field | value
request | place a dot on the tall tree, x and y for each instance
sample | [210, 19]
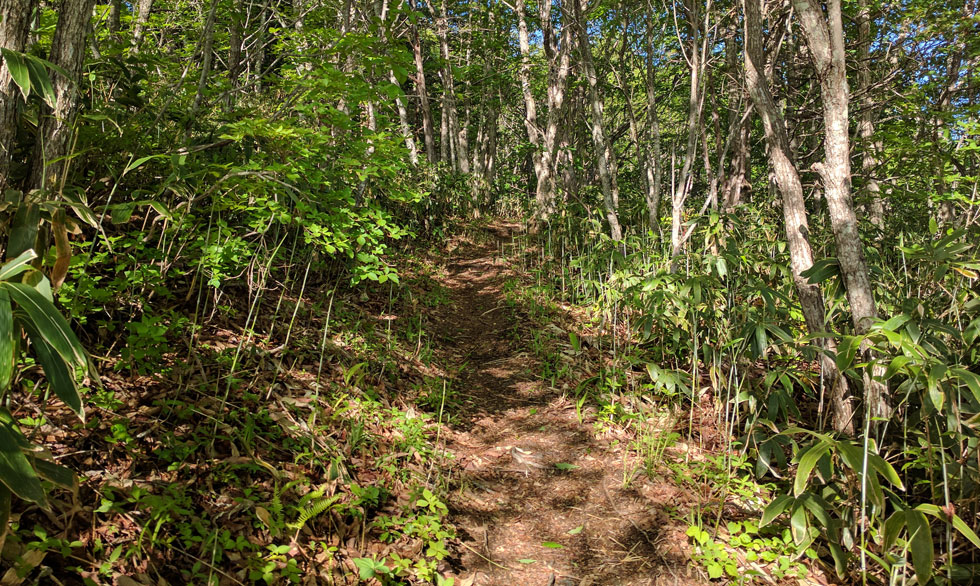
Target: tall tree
[57, 124]
[605, 155]
[787, 179]
[14, 29]
[824, 34]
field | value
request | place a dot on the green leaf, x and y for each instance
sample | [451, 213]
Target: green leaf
[4, 512]
[17, 265]
[971, 380]
[527, 561]
[15, 471]
[775, 508]
[798, 523]
[886, 470]
[17, 66]
[23, 228]
[56, 473]
[920, 543]
[847, 351]
[58, 373]
[136, 164]
[8, 342]
[49, 322]
[807, 462]
[576, 531]
[958, 523]
[552, 545]
[41, 81]
[565, 467]
[893, 527]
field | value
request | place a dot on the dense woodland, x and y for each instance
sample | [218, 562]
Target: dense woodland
[741, 239]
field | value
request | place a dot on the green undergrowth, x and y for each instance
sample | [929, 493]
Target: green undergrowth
[703, 363]
[297, 439]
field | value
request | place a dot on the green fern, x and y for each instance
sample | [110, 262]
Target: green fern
[313, 510]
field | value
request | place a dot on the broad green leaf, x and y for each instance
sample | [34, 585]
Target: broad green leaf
[971, 380]
[896, 322]
[8, 341]
[4, 512]
[807, 462]
[17, 66]
[920, 544]
[15, 471]
[23, 228]
[41, 81]
[775, 508]
[551, 545]
[893, 527]
[56, 473]
[18, 265]
[958, 523]
[798, 523]
[136, 164]
[847, 351]
[49, 322]
[58, 373]
[886, 470]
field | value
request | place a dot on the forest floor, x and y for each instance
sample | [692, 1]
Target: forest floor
[453, 430]
[543, 495]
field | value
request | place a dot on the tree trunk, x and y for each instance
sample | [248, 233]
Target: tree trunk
[825, 38]
[682, 186]
[524, 74]
[57, 125]
[424, 106]
[654, 168]
[115, 16]
[143, 9]
[869, 159]
[604, 151]
[559, 65]
[455, 152]
[787, 179]
[14, 29]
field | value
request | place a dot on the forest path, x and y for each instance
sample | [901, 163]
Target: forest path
[538, 497]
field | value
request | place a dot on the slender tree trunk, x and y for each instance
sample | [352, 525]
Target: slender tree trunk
[207, 57]
[604, 151]
[14, 29]
[787, 179]
[456, 154]
[825, 38]
[682, 187]
[235, 40]
[654, 153]
[424, 106]
[143, 9]
[559, 65]
[115, 16]
[57, 125]
[869, 158]
[524, 74]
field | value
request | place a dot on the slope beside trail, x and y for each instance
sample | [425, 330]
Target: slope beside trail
[538, 496]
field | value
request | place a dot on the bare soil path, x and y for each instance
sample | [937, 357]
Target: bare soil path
[539, 496]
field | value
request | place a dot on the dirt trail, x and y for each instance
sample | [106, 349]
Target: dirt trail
[520, 518]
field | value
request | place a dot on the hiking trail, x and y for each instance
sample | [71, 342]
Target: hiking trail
[539, 497]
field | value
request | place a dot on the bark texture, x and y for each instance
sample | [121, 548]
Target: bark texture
[14, 29]
[57, 125]
[787, 179]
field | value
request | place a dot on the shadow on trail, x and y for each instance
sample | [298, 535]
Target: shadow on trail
[538, 498]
